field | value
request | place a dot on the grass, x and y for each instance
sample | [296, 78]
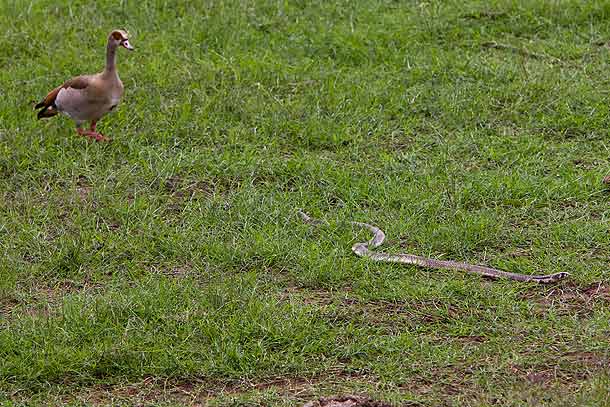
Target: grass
[169, 266]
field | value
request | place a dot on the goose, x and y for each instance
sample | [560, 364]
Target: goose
[89, 97]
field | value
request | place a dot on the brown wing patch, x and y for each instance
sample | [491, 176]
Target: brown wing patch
[80, 82]
[49, 99]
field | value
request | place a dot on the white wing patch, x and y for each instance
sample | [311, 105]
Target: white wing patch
[77, 104]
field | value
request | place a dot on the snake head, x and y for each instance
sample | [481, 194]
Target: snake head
[553, 278]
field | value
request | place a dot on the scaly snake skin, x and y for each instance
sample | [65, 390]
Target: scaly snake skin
[363, 250]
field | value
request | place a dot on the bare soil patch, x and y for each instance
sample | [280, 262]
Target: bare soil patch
[346, 401]
[571, 299]
[152, 391]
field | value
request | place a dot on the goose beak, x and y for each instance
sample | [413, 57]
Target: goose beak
[127, 45]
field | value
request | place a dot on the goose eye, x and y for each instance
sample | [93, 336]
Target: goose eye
[126, 44]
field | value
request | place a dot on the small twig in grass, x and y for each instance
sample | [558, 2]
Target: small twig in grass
[602, 43]
[517, 50]
[492, 15]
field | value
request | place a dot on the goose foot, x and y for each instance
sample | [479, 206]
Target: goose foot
[91, 133]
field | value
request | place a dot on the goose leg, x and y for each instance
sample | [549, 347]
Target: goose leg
[91, 133]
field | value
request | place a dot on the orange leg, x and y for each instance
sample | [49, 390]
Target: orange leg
[91, 133]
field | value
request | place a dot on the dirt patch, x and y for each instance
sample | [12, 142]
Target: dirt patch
[153, 391]
[46, 300]
[83, 188]
[595, 292]
[571, 299]
[7, 305]
[518, 51]
[398, 315]
[341, 305]
[346, 401]
[145, 392]
[441, 385]
[520, 252]
[566, 370]
[178, 271]
[474, 339]
[181, 189]
[598, 290]
[535, 376]
[587, 359]
[172, 184]
[206, 188]
[316, 297]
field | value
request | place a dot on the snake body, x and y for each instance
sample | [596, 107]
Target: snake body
[363, 249]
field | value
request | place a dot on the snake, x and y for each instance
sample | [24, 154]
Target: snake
[363, 249]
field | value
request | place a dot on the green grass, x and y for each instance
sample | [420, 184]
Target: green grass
[169, 266]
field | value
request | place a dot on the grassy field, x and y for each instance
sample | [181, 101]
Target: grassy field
[169, 267]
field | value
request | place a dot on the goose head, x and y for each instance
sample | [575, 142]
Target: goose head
[119, 38]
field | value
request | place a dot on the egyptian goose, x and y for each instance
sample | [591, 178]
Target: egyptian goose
[89, 97]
